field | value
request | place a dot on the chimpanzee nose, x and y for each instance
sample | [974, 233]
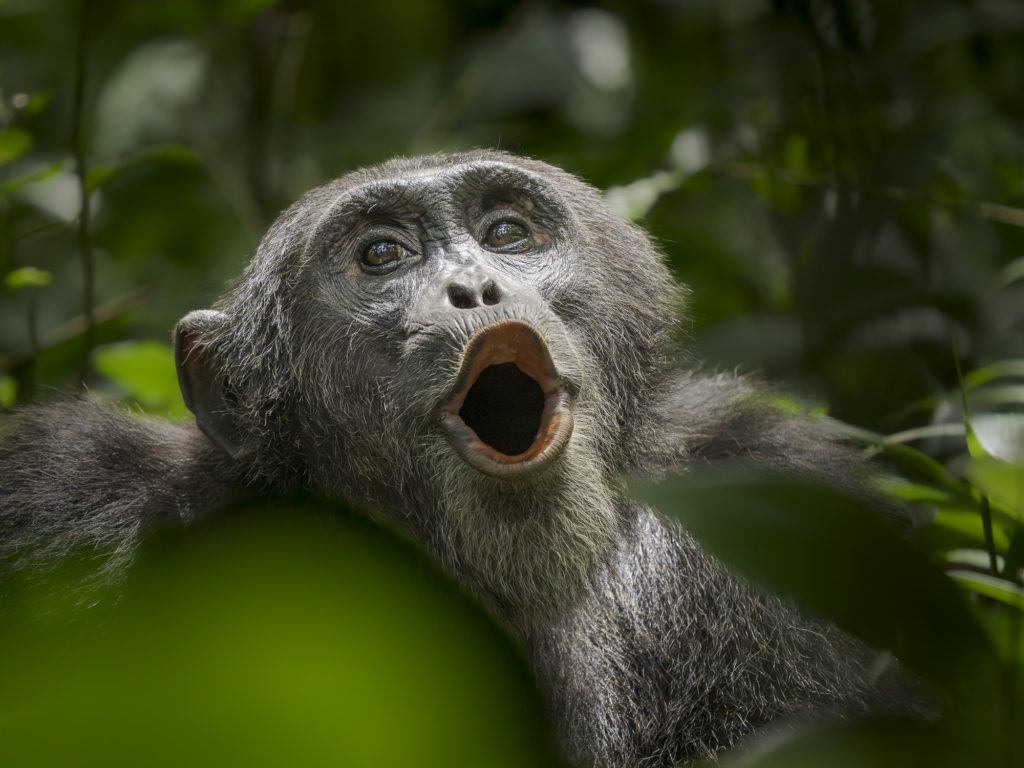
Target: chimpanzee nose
[473, 288]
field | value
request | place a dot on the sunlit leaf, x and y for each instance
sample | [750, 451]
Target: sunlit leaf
[993, 371]
[14, 142]
[1001, 435]
[923, 494]
[990, 586]
[975, 449]
[927, 466]
[974, 558]
[146, 371]
[48, 171]
[966, 524]
[634, 200]
[925, 432]
[8, 390]
[1000, 479]
[28, 277]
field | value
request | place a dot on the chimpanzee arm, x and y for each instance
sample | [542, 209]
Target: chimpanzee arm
[78, 476]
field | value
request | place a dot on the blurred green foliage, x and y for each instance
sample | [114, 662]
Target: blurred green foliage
[835, 556]
[840, 183]
[269, 636]
[145, 371]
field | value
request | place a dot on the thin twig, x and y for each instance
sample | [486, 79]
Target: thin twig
[231, 183]
[77, 326]
[36, 231]
[923, 433]
[78, 147]
[282, 96]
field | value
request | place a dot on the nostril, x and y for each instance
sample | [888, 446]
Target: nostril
[460, 297]
[491, 294]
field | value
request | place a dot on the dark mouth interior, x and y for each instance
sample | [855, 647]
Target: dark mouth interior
[504, 407]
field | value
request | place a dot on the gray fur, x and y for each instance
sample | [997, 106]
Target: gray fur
[75, 475]
[312, 373]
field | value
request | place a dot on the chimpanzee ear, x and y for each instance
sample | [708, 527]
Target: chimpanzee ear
[203, 383]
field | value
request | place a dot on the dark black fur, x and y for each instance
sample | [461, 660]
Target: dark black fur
[318, 372]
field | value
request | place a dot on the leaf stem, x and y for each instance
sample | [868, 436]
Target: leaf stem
[990, 541]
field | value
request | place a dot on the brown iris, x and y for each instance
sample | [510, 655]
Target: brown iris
[383, 252]
[506, 234]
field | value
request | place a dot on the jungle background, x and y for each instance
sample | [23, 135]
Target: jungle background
[839, 182]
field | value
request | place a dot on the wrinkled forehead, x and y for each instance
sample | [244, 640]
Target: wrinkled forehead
[480, 183]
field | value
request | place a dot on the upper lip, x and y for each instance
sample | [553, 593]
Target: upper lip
[519, 343]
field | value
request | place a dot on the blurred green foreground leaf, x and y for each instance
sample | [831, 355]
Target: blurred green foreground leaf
[836, 557]
[269, 636]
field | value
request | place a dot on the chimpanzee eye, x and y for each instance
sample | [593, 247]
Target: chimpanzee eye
[383, 252]
[507, 234]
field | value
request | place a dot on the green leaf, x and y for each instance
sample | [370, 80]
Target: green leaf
[216, 627]
[1001, 435]
[973, 557]
[967, 524]
[1004, 626]
[8, 391]
[28, 277]
[974, 446]
[930, 430]
[994, 371]
[990, 586]
[1001, 480]
[146, 371]
[14, 142]
[834, 555]
[923, 494]
[785, 197]
[13, 185]
[780, 401]
[37, 102]
[927, 466]
[795, 156]
[1005, 394]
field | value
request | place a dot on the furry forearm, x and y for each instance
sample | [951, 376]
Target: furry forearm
[76, 475]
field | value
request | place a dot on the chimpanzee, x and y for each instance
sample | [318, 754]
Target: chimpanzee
[474, 349]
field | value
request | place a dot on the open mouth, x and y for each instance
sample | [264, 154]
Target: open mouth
[510, 415]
